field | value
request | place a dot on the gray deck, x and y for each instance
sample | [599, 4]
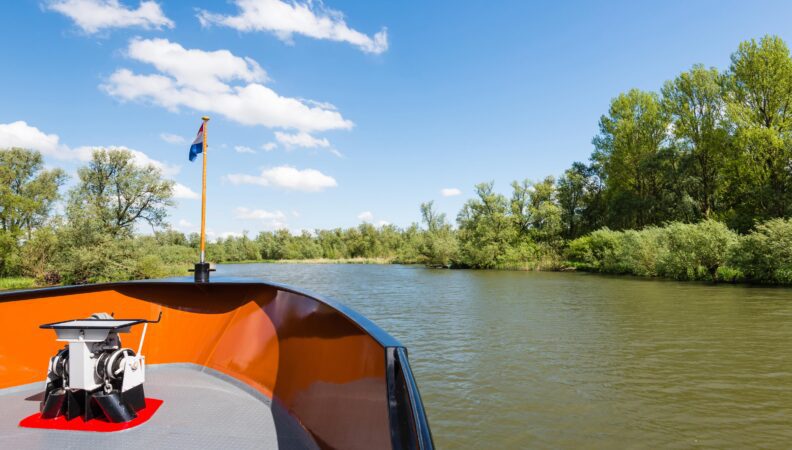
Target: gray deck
[201, 409]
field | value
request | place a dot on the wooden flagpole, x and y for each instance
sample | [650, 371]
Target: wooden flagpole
[203, 193]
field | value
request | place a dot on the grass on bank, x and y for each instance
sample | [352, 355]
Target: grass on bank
[17, 283]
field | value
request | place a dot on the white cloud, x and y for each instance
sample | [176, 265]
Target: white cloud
[185, 224]
[202, 70]
[228, 234]
[258, 214]
[172, 138]
[269, 146]
[202, 80]
[305, 140]
[243, 149]
[366, 216]
[306, 180]
[301, 139]
[95, 15]
[284, 19]
[272, 219]
[450, 192]
[182, 191]
[85, 153]
[20, 134]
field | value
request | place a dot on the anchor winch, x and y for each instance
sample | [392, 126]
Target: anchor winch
[94, 376]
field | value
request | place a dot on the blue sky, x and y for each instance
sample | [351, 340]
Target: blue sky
[380, 105]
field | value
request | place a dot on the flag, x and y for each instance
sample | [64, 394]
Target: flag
[197, 145]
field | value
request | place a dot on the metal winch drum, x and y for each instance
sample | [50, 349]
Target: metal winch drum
[93, 376]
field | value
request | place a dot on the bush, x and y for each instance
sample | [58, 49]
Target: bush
[765, 255]
[620, 252]
[9, 255]
[580, 254]
[680, 251]
[641, 250]
[150, 266]
[36, 254]
[439, 249]
[695, 251]
[107, 260]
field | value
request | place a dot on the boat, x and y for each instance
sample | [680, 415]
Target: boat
[229, 363]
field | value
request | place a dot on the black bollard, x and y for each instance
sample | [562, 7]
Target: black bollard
[202, 272]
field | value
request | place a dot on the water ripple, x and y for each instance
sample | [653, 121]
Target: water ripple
[549, 360]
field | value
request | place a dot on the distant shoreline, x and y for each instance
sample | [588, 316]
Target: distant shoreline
[16, 283]
[379, 261]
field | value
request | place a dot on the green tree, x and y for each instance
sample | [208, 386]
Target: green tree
[486, 229]
[579, 197]
[332, 243]
[694, 101]
[27, 191]
[631, 137]
[439, 247]
[544, 212]
[760, 105]
[114, 194]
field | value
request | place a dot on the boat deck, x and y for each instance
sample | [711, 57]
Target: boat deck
[202, 409]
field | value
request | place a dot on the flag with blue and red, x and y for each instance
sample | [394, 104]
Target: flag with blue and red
[197, 145]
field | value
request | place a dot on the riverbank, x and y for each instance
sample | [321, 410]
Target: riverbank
[705, 251]
[12, 283]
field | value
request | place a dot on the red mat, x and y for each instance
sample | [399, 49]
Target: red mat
[99, 425]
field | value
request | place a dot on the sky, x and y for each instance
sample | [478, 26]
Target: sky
[329, 114]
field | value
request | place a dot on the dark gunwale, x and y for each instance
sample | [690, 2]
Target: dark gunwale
[366, 325]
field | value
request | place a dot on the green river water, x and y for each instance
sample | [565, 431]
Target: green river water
[571, 360]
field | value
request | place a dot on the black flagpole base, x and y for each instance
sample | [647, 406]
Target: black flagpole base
[202, 272]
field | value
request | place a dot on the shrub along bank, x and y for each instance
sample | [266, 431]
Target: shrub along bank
[706, 250]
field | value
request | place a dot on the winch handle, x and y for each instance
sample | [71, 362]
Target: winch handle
[145, 328]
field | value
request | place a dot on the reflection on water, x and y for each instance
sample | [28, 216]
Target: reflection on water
[513, 359]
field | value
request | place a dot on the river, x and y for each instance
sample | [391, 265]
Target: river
[571, 360]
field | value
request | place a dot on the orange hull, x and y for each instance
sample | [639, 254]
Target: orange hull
[345, 381]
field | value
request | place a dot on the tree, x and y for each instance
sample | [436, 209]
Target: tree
[486, 229]
[579, 197]
[27, 191]
[544, 212]
[114, 194]
[332, 243]
[439, 245]
[759, 102]
[694, 101]
[626, 148]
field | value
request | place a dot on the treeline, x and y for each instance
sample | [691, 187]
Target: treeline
[693, 182]
[93, 238]
[709, 145]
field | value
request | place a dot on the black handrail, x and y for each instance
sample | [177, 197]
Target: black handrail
[408, 422]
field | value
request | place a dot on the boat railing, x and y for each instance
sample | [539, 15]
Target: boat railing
[409, 425]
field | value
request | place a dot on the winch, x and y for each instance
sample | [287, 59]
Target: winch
[94, 376]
